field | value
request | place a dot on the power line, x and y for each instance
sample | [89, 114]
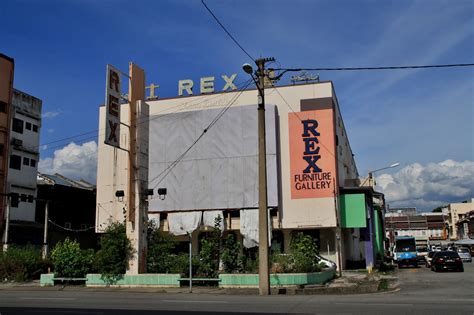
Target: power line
[178, 107]
[225, 30]
[167, 170]
[299, 118]
[69, 229]
[378, 68]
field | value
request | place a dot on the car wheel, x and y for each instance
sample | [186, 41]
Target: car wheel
[461, 269]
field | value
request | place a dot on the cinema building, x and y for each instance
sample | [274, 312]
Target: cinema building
[311, 171]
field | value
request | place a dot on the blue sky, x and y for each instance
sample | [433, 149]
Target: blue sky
[415, 117]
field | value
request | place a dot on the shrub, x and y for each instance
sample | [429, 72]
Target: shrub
[114, 254]
[69, 260]
[305, 253]
[249, 263]
[21, 264]
[281, 263]
[231, 254]
[210, 251]
[180, 264]
[160, 247]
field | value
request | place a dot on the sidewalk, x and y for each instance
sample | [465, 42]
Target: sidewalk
[349, 283]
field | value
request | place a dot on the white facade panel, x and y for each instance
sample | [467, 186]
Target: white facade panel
[221, 169]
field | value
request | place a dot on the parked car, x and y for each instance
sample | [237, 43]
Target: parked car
[446, 260]
[465, 254]
[421, 253]
[428, 259]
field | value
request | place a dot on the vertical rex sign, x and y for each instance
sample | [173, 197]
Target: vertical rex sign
[112, 105]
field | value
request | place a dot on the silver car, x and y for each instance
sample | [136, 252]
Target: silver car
[464, 253]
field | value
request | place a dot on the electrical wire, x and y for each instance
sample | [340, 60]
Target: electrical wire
[170, 167]
[299, 118]
[378, 68]
[177, 108]
[225, 30]
[69, 229]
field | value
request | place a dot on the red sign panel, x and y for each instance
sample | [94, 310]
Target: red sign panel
[312, 154]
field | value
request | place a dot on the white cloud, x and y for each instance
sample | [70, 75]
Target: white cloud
[428, 186]
[50, 114]
[74, 161]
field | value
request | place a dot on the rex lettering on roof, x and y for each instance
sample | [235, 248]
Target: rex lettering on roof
[312, 154]
[112, 107]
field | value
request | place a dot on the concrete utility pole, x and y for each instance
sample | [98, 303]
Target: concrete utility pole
[263, 272]
[45, 234]
[7, 224]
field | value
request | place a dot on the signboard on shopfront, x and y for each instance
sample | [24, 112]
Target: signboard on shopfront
[112, 106]
[312, 153]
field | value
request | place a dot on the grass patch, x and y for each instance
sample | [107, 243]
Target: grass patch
[383, 285]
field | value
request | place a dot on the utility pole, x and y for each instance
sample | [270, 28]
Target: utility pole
[7, 223]
[263, 272]
[45, 235]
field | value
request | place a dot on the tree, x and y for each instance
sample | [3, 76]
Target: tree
[438, 209]
[114, 254]
[210, 251]
[160, 247]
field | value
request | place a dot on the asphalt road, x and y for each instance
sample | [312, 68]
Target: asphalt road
[421, 292]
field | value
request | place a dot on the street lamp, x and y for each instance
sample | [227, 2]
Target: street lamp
[370, 178]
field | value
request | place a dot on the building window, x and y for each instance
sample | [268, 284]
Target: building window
[27, 126]
[15, 162]
[30, 198]
[35, 128]
[17, 125]
[67, 225]
[2, 148]
[26, 161]
[33, 162]
[3, 107]
[23, 198]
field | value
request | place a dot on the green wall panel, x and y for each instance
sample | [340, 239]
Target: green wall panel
[379, 234]
[353, 211]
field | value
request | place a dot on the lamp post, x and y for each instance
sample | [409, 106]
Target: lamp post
[371, 173]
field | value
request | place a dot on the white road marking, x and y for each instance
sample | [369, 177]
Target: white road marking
[376, 304]
[190, 301]
[46, 298]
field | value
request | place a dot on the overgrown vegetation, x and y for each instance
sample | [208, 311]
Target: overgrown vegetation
[210, 251]
[21, 264]
[160, 248]
[69, 260]
[114, 254]
[231, 260]
[305, 252]
[217, 254]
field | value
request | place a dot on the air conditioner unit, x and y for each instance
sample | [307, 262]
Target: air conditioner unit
[17, 142]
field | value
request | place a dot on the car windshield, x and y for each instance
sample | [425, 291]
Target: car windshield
[463, 250]
[422, 249]
[447, 254]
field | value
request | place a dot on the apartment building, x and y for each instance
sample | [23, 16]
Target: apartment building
[24, 154]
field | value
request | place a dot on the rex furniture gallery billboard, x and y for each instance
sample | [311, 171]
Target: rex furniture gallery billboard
[312, 153]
